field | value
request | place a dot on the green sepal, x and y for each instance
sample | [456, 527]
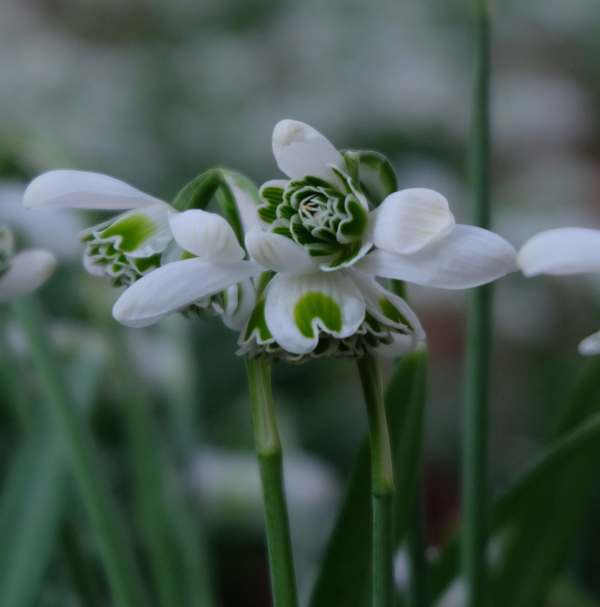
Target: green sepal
[373, 171]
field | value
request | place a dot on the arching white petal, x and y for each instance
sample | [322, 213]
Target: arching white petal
[175, 286]
[84, 190]
[401, 346]
[27, 271]
[561, 251]
[467, 257]
[301, 150]
[278, 253]
[590, 346]
[299, 307]
[206, 235]
[387, 307]
[240, 301]
[408, 220]
[246, 200]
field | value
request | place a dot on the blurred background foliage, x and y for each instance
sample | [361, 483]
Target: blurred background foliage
[154, 92]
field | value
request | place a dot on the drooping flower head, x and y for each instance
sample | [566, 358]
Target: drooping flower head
[562, 252]
[123, 248]
[323, 237]
[22, 272]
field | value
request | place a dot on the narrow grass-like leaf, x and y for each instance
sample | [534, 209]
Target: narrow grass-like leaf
[24, 553]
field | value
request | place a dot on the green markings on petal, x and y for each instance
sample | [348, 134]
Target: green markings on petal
[389, 310]
[373, 171]
[355, 225]
[316, 305]
[132, 229]
[145, 264]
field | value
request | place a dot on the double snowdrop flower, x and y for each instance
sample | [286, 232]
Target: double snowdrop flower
[22, 272]
[123, 248]
[562, 252]
[324, 236]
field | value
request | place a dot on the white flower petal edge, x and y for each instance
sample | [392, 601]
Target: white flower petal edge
[466, 257]
[278, 253]
[408, 220]
[84, 190]
[590, 346]
[247, 206]
[175, 286]
[561, 251]
[240, 302]
[299, 307]
[27, 271]
[206, 235]
[300, 150]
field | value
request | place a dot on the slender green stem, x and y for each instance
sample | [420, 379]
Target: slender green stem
[382, 483]
[474, 501]
[110, 533]
[268, 450]
[416, 543]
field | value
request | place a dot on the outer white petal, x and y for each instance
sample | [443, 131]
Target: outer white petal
[408, 220]
[467, 257]
[590, 346]
[247, 204]
[207, 235]
[561, 251]
[401, 346]
[27, 271]
[175, 286]
[286, 308]
[84, 190]
[241, 300]
[278, 253]
[373, 293]
[301, 150]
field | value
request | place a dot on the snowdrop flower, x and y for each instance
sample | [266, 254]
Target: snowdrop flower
[122, 248]
[334, 226]
[23, 272]
[561, 252]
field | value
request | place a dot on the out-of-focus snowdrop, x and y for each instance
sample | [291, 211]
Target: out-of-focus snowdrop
[53, 230]
[228, 485]
[21, 272]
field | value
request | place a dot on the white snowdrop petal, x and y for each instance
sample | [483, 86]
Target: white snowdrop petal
[278, 253]
[466, 257]
[408, 220]
[561, 251]
[84, 190]
[27, 271]
[175, 286]
[590, 346]
[300, 150]
[206, 235]
[300, 307]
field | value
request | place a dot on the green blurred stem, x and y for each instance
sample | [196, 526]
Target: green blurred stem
[475, 438]
[150, 473]
[382, 483]
[416, 544]
[110, 533]
[268, 450]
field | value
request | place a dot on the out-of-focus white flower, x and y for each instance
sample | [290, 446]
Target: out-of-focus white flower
[54, 230]
[123, 248]
[22, 272]
[561, 252]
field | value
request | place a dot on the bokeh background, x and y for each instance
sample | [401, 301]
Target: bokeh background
[154, 92]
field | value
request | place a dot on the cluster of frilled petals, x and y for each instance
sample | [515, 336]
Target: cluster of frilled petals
[300, 276]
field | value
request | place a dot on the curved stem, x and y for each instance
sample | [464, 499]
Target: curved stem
[479, 338]
[268, 450]
[382, 483]
[110, 533]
